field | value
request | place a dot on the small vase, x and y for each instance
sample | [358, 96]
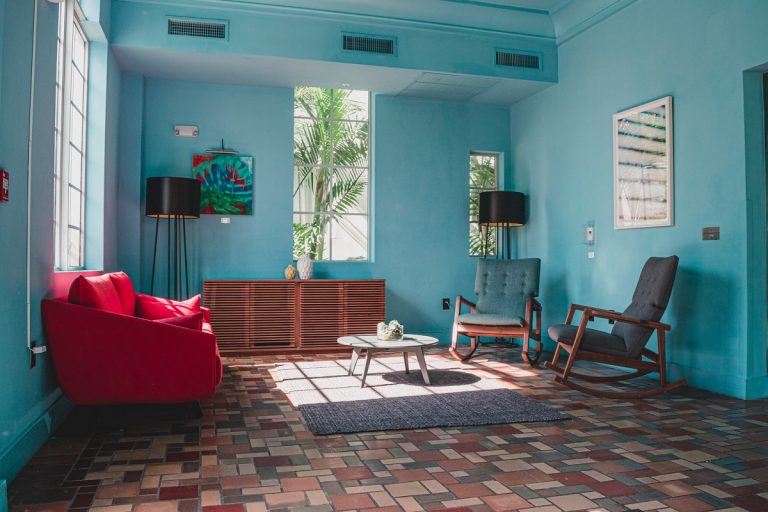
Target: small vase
[304, 264]
[290, 272]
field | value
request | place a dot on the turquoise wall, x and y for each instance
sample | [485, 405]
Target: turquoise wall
[26, 395]
[696, 51]
[31, 404]
[420, 189]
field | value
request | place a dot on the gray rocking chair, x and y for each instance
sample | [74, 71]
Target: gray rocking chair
[506, 303]
[625, 345]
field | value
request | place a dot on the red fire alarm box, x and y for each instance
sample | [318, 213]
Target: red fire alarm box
[5, 185]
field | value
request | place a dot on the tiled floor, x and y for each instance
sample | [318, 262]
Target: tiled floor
[688, 451]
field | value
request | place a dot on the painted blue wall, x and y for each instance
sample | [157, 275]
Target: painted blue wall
[696, 51]
[421, 157]
[26, 395]
[129, 184]
[31, 404]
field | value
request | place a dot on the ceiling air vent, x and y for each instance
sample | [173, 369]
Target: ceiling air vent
[517, 60]
[197, 28]
[370, 44]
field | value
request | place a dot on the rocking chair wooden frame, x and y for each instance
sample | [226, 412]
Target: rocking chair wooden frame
[656, 362]
[529, 330]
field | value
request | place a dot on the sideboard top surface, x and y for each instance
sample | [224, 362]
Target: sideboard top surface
[297, 281]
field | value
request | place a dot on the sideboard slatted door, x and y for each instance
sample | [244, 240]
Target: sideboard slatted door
[230, 305]
[272, 315]
[364, 306]
[322, 314]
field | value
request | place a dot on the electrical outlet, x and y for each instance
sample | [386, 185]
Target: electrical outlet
[591, 255]
[225, 220]
[446, 303]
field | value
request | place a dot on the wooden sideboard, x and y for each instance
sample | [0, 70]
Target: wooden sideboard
[280, 316]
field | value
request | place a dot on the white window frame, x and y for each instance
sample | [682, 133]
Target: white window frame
[497, 159]
[66, 140]
[332, 166]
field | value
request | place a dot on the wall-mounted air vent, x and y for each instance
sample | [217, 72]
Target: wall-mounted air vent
[517, 60]
[370, 44]
[197, 28]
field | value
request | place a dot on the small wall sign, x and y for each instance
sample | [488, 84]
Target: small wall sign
[5, 185]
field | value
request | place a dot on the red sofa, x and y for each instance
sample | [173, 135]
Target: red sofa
[103, 353]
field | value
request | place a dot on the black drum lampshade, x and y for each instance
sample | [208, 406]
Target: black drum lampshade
[176, 200]
[502, 209]
[171, 197]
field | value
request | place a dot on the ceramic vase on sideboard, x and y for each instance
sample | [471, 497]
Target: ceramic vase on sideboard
[304, 265]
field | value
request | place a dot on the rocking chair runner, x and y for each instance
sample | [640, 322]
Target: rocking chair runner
[625, 345]
[506, 304]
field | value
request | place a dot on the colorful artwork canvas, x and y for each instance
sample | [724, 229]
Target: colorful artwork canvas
[226, 183]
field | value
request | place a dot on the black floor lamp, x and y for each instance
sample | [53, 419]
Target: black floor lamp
[501, 209]
[174, 199]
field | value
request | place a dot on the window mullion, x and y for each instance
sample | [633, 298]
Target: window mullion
[331, 156]
[84, 135]
[66, 88]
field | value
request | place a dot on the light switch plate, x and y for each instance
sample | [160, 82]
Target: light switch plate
[225, 220]
[710, 233]
[591, 255]
[589, 234]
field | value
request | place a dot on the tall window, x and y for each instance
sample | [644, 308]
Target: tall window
[70, 135]
[483, 177]
[331, 174]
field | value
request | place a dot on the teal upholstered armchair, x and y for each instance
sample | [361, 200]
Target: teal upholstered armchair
[506, 305]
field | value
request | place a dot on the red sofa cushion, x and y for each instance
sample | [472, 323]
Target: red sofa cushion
[156, 308]
[194, 322]
[125, 292]
[96, 292]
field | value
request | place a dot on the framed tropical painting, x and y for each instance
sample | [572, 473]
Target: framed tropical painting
[226, 183]
[642, 166]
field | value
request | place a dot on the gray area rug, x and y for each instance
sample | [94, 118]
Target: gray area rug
[491, 407]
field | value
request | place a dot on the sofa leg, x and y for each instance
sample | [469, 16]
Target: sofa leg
[195, 411]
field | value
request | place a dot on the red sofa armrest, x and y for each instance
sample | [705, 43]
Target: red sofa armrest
[103, 357]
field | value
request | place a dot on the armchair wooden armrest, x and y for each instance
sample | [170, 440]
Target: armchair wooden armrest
[462, 301]
[613, 316]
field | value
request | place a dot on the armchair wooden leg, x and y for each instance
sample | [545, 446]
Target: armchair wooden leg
[473, 342]
[532, 361]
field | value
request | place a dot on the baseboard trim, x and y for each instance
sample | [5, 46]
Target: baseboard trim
[52, 412]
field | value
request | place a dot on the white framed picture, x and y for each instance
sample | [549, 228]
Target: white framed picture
[643, 195]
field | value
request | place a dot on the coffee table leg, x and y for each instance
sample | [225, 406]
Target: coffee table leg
[405, 359]
[423, 365]
[353, 362]
[368, 355]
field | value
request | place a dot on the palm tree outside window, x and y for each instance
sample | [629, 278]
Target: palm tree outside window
[331, 193]
[483, 177]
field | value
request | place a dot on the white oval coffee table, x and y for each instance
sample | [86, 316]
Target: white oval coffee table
[411, 343]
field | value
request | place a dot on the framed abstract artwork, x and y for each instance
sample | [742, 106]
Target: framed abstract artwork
[642, 166]
[226, 183]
